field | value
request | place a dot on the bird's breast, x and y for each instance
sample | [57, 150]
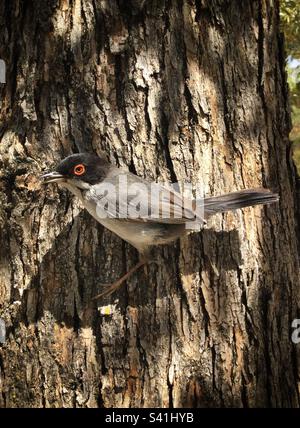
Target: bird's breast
[140, 234]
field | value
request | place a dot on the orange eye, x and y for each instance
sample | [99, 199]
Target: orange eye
[79, 169]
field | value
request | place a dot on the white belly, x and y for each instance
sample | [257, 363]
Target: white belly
[136, 233]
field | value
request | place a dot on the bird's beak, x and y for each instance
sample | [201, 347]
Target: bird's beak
[52, 177]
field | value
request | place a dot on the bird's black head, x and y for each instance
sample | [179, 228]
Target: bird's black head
[81, 167]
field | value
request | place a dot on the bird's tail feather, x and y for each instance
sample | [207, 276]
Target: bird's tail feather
[236, 200]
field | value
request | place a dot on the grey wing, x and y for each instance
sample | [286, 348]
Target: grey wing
[131, 197]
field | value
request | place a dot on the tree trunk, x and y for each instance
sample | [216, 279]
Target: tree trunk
[174, 90]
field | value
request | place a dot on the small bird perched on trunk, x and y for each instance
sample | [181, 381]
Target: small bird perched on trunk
[147, 215]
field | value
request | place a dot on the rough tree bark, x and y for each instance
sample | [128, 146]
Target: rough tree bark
[175, 90]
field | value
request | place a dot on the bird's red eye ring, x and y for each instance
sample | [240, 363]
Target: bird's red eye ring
[79, 169]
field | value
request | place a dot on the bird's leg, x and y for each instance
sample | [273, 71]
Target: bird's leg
[110, 288]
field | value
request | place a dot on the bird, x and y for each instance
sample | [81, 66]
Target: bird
[139, 218]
